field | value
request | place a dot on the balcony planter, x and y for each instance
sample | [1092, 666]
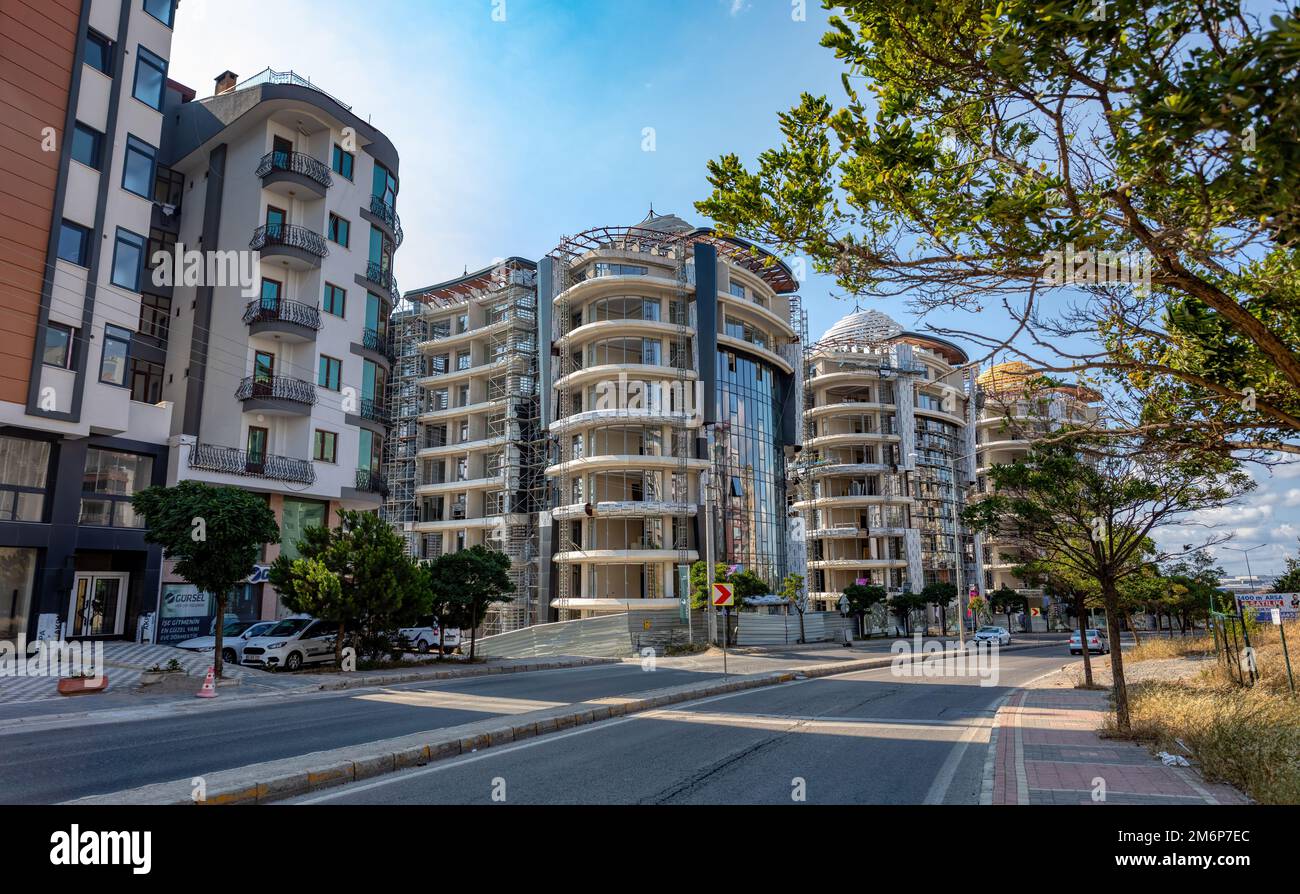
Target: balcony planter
[82, 685]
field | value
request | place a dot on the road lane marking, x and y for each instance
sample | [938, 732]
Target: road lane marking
[461, 701]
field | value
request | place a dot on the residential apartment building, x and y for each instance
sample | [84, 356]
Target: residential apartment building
[1016, 407]
[279, 378]
[465, 463]
[888, 455]
[670, 352]
[82, 118]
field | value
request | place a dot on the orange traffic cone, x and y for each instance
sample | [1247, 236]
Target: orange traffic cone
[209, 689]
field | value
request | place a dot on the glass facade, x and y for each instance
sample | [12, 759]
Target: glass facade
[298, 516]
[751, 468]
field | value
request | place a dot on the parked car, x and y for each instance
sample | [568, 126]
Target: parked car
[423, 637]
[293, 643]
[999, 635]
[235, 635]
[1097, 642]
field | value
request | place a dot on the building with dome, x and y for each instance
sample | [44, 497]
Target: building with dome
[887, 458]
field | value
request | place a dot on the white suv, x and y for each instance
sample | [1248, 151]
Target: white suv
[293, 643]
[423, 637]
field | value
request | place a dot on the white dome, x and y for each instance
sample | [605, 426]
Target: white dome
[862, 327]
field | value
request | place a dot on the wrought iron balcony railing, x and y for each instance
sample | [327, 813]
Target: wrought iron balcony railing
[375, 411]
[371, 482]
[371, 340]
[277, 387]
[376, 273]
[291, 235]
[260, 311]
[297, 163]
[388, 214]
[232, 461]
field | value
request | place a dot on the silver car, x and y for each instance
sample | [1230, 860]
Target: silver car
[234, 636]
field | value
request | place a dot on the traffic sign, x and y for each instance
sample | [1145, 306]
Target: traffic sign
[724, 595]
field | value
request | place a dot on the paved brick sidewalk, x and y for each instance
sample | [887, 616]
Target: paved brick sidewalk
[1047, 751]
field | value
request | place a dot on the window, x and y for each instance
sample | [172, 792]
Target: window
[168, 186]
[330, 374]
[137, 167]
[342, 161]
[384, 185]
[338, 230]
[325, 447]
[23, 468]
[110, 480]
[88, 146]
[155, 316]
[58, 345]
[113, 357]
[160, 240]
[162, 10]
[255, 445]
[737, 289]
[74, 243]
[128, 259]
[99, 52]
[150, 77]
[263, 366]
[335, 299]
[370, 453]
[146, 381]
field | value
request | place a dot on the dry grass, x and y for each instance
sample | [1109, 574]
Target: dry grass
[1154, 647]
[1249, 737]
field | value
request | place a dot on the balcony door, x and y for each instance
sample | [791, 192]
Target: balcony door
[271, 290]
[98, 603]
[276, 219]
[281, 149]
[263, 373]
[258, 439]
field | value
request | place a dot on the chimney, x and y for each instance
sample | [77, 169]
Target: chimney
[225, 82]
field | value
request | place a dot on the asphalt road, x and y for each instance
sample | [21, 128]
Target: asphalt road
[72, 761]
[859, 738]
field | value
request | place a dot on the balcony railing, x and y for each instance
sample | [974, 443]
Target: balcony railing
[277, 387]
[388, 214]
[232, 461]
[375, 411]
[260, 311]
[297, 163]
[376, 273]
[371, 340]
[371, 482]
[290, 235]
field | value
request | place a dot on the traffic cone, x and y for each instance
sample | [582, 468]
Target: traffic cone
[209, 689]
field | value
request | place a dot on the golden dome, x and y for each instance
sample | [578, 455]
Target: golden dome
[1006, 377]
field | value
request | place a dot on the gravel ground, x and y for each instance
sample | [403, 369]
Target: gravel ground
[1167, 669]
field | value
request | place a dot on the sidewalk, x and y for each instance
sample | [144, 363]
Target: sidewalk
[1045, 750]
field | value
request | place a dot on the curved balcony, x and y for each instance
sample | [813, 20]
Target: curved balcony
[375, 346]
[289, 320]
[623, 509]
[385, 215]
[276, 395]
[298, 247]
[383, 279]
[371, 482]
[232, 461]
[638, 553]
[373, 415]
[288, 172]
[648, 415]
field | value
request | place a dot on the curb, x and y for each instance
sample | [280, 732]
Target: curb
[299, 775]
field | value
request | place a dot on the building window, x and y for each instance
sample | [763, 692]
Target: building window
[343, 161]
[335, 299]
[160, 240]
[330, 373]
[58, 345]
[297, 517]
[150, 77]
[99, 52]
[88, 146]
[74, 243]
[23, 468]
[737, 289]
[325, 447]
[168, 186]
[162, 10]
[137, 167]
[128, 259]
[113, 358]
[339, 230]
[111, 479]
[155, 316]
[146, 381]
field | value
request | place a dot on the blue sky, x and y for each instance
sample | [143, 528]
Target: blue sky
[515, 132]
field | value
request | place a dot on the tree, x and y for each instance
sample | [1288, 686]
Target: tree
[862, 598]
[904, 604]
[1289, 581]
[1063, 581]
[792, 592]
[979, 147]
[380, 587]
[1004, 599]
[1095, 513]
[942, 594]
[214, 534]
[478, 577]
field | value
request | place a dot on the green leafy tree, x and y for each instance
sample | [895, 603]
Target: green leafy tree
[1006, 601]
[792, 591]
[1289, 581]
[977, 143]
[1063, 581]
[1095, 514]
[477, 578]
[904, 604]
[380, 586]
[862, 599]
[214, 534]
[942, 594]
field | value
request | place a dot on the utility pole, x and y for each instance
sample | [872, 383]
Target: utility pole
[707, 479]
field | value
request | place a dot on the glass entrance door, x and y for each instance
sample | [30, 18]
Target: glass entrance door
[98, 604]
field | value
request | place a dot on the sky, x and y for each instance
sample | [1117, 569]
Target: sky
[521, 121]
